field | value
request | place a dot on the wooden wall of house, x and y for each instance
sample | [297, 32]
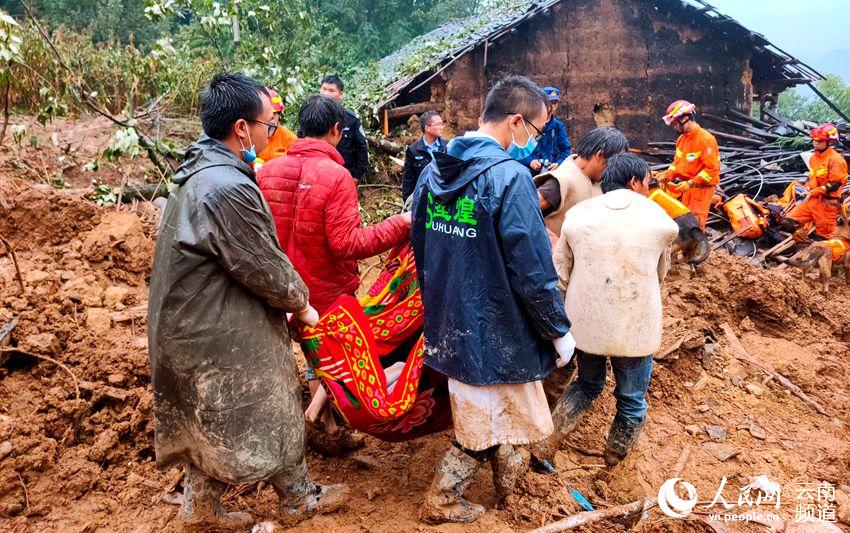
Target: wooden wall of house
[617, 62]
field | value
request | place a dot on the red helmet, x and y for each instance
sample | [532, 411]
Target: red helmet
[277, 101]
[825, 132]
[678, 109]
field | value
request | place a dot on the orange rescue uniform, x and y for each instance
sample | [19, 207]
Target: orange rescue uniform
[698, 160]
[279, 144]
[821, 207]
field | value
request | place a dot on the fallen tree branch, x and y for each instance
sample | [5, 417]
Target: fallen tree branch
[590, 517]
[14, 256]
[742, 354]
[384, 145]
[46, 358]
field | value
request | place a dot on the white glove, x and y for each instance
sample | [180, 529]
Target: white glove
[565, 346]
[308, 315]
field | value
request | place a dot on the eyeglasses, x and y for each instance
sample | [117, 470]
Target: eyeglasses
[272, 127]
[539, 134]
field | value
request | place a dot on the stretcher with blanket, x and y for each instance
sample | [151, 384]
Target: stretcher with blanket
[356, 340]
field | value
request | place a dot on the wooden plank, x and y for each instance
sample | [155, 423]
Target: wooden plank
[411, 109]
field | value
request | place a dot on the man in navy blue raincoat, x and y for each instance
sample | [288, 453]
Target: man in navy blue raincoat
[494, 317]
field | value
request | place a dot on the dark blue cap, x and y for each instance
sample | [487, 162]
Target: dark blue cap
[553, 93]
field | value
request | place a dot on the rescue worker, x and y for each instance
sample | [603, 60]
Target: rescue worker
[417, 156]
[353, 146]
[611, 258]
[554, 145]
[695, 170]
[226, 397]
[494, 318]
[827, 178]
[282, 140]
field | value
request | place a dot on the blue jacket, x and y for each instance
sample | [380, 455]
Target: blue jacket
[554, 145]
[488, 284]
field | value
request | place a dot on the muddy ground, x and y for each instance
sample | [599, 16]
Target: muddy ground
[76, 453]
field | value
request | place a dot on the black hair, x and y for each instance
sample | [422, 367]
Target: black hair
[318, 115]
[514, 94]
[425, 119]
[608, 140]
[621, 169]
[227, 98]
[334, 79]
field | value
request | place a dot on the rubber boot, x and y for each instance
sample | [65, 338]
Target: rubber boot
[305, 498]
[509, 464]
[621, 438]
[568, 412]
[444, 502]
[201, 509]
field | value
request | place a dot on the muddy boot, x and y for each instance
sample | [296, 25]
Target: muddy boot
[304, 499]
[510, 463]
[201, 509]
[570, 407]
[621, 438]
[444, 502]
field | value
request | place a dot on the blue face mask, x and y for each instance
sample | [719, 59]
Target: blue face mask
[521, 152]
[248, 155]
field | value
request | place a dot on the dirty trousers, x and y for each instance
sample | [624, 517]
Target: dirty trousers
[489, 415]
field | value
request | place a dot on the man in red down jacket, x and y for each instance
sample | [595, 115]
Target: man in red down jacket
[313, 201]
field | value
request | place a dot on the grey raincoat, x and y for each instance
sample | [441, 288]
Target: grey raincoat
[225, 384]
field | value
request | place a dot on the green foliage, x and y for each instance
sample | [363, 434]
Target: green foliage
[116, 77]
[121, 55]
[103, 194]
[794, 105]
[104, 20]
[124, 143]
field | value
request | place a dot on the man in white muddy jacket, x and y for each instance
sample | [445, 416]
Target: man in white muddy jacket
[612, 255]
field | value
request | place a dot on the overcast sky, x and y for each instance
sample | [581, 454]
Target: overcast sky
[806, 29]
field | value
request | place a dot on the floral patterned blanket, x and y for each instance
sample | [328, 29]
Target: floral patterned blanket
[352, 344]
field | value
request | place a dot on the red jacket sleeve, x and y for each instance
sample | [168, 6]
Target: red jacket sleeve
[346, 238]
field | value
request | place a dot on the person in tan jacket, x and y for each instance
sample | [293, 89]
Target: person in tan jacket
[613, 254]
[577, 179]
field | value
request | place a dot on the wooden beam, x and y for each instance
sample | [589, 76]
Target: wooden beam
[386, 122]
[411, 109]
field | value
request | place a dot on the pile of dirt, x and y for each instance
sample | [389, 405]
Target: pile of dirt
[85, 463]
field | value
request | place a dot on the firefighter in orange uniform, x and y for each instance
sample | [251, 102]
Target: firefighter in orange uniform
[827, 177]
[281, 141]
[695, 171]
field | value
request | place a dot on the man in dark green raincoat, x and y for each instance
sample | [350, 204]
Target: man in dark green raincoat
[226, 390]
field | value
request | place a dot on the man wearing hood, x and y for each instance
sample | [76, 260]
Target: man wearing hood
[227, 402]
[489, 289]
